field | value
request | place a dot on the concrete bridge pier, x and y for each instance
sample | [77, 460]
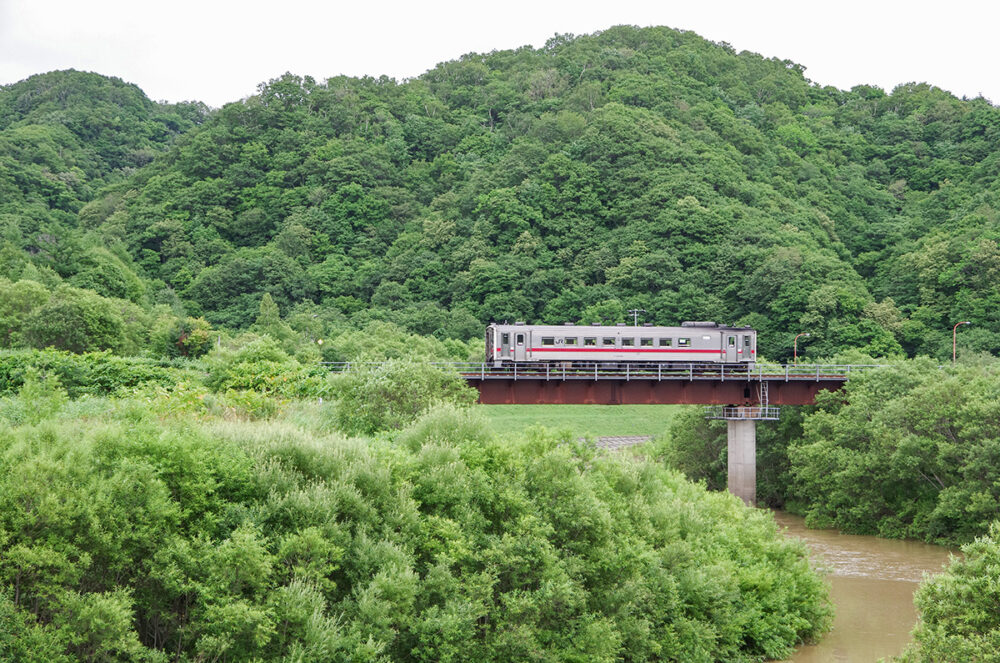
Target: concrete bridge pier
[741, 422]
[742, 459]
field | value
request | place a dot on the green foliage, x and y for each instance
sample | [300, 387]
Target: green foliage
[269, 321]
[910, 450]
[17, 301]
[95, 373]
[390, 395]
[39, 398]
[152, 538]
[67, 318]
[181, 337]
[23, 639]
[377, 341]
[257, 363]
[107, 275]
[958, 608]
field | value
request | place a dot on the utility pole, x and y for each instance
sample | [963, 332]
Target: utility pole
[954, 346]
[795, 348]
[634, 312]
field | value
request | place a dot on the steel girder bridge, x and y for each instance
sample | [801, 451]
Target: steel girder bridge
[764, 385]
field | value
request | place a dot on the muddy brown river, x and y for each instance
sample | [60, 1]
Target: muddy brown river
[872, 581]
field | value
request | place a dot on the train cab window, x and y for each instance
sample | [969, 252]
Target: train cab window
[666, 342]
[505, 340]
[548, 340]
[684, 342]
[731, 341]
[609, 341]
[647, 342]
[746, 342]
[520, 339]
[570, 340]
[590, 341]
[628, 342]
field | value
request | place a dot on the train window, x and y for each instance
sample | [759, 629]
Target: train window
[520, 339]
[570, 340]
[608, 340]
[684, 342]
[548, 340]
[590, 341]
[731, 341]
[648, 342]
[666, 342]
[746, 341]
[505, 339]
[626, 342]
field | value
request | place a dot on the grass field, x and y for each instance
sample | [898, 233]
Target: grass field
[594, 420]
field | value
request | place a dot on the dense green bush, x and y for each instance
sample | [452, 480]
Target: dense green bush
[959, 618]
[391, 394]
[93, 373]
[172, 336]
[909, 450]
[151, 538]
[258, 363]
[378, 340]
[40, 397]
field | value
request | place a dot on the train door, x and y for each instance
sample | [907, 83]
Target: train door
[519, 346]
[731, 349]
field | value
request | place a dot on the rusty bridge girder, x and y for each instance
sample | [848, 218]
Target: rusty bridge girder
[648, 392]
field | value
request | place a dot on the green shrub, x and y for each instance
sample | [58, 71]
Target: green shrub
[93, 373]
[181, 337]
[40, 397]
[154, 538]
[390, 395]
[910, 450]
[257, 363]
[959, 616]
[80, 320]
[378, 340]
[250, 404]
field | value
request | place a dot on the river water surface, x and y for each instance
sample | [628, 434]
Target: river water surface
[872, 581]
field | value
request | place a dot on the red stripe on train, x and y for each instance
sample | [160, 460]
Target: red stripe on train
[615, 350]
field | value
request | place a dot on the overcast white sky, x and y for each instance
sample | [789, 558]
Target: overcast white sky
[218, 51]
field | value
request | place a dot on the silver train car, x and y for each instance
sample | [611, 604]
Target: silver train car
[578, 345]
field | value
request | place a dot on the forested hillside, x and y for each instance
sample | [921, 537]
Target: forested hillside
[643, 168]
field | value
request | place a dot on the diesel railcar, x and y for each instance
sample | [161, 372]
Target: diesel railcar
[578, 345]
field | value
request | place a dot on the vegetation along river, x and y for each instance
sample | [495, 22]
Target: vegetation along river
[873, 581]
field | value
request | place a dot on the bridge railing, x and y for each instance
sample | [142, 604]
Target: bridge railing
[661, 371]
[743, 412]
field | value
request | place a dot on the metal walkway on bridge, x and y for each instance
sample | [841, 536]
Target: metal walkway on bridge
[657, 372]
